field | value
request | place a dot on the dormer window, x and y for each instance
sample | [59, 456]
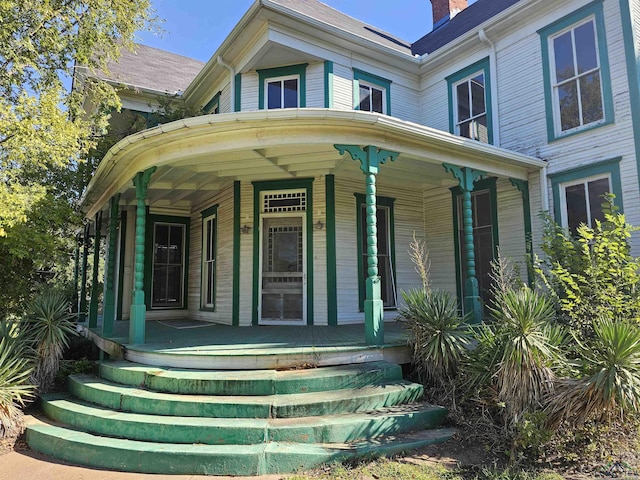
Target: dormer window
[282, 87]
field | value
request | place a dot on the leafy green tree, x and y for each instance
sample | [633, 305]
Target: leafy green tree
[42, 124]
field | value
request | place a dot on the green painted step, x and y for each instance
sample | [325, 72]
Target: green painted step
[131, 399]
[249, 382]
[146, 457]
[242, 431]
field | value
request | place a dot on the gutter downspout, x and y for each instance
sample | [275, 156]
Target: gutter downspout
[232, 82]
[493, 68]
[544, 190]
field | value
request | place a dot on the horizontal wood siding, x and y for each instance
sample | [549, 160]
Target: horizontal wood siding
[319, 214]
[246, 253]
[511, 226]
[342, 87]
[315, 85]
[249, 97]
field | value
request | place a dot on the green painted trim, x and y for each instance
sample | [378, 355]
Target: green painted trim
[121, 260]
[595, 9]
[289, 70]
[611, 166]
[235, 300]
[328, 84]
[633, 74]
[211, 104]
[82, 306]
[465, 73]
[148, 260]
[206, 213]
[523, 188]
[361, 200]
[95, 292]
[292, 184]
[482, 184]
[332, 256]
[373, 79]
[238, 92]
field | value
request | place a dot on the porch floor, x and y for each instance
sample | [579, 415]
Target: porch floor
[194, 344]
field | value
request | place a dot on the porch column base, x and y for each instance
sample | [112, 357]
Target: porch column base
[374, 313]
[473, 302]
[137, 319]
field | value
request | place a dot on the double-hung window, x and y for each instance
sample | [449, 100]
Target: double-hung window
[579, 194]
[371, 93]
[282, 87]
[577, 86]
[470, 102]
[209, 253]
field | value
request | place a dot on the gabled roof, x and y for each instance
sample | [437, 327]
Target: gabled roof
[324, 13]
[153, 69]
[468, 19]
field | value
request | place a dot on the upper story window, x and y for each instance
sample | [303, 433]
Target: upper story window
[578, 193]
[213, 106]
[282, 87]
[470, 102]
[371, 93]
[577, 86]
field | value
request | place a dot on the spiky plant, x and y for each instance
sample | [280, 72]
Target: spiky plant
[438, 334]
[49, 328]
[15, 386]
[611, 382]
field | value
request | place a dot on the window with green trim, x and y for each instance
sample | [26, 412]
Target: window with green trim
[470, 102]
[579, 194]
[167, 287]
[371, 93]
[282, 87]
[209, 253]
[213, 106]
[577, 85]
[386, 249]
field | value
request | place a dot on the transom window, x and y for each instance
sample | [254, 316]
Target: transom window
[282, 92]
[471, 108]
[583, 201]
[371, 98]
[576, 72]
[168, 265]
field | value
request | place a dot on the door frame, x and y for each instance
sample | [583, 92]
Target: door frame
[265, 216]
[278, 185]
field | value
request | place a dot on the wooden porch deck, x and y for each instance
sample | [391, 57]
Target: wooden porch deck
[202, 345]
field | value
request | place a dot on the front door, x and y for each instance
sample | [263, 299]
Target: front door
[282, 270]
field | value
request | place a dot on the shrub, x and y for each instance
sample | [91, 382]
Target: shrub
[438, 335]
[50, 326]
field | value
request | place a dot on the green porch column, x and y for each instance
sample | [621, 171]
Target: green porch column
[138, 307]
[95, 292]
[370, 158]
[108, 313]
[523, 187]
[466, 178]
[82, 306]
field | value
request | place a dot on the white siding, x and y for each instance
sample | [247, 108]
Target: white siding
[315, 85]
[246, 254]
[249, 96]
[342, 87]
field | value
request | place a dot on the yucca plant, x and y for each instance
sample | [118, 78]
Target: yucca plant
[438, 334]
[611, 382]
[49, 327]
[15, 386]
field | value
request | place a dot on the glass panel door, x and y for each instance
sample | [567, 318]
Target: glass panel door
[282, 272]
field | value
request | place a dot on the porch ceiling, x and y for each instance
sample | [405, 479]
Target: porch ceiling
[197, 157]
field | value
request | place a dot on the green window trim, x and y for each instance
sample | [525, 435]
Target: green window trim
[592, 9]
[291, 70]
[212, 104]
[328, 84]
[383, 202]
[480, 185]
[609, 167]
[206, 215]
[292, 184]
[148, 258]
[360, 75]
[468, 72]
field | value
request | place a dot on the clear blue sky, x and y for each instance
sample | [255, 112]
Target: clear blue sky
[196, 28]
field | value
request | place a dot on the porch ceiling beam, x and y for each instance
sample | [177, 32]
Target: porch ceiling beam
[273, 161]
[251, 172]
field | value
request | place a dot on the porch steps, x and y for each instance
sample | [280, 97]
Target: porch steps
[163, 420]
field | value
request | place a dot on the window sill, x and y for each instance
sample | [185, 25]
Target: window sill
[588, 128]
[207, 309]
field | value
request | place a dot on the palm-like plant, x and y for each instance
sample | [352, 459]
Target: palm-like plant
[611, 384]
[50, 326]
[438, 334]
[15, 387]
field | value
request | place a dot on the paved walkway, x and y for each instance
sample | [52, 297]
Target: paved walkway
[29, 465]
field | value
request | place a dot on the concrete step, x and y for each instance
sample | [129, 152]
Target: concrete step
[197, 459]
[241, 431]
[249, 382]
[130, 399]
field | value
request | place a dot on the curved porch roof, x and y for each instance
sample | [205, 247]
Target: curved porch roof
[196, 157]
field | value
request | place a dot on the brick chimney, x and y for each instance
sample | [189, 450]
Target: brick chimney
[446, 9]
